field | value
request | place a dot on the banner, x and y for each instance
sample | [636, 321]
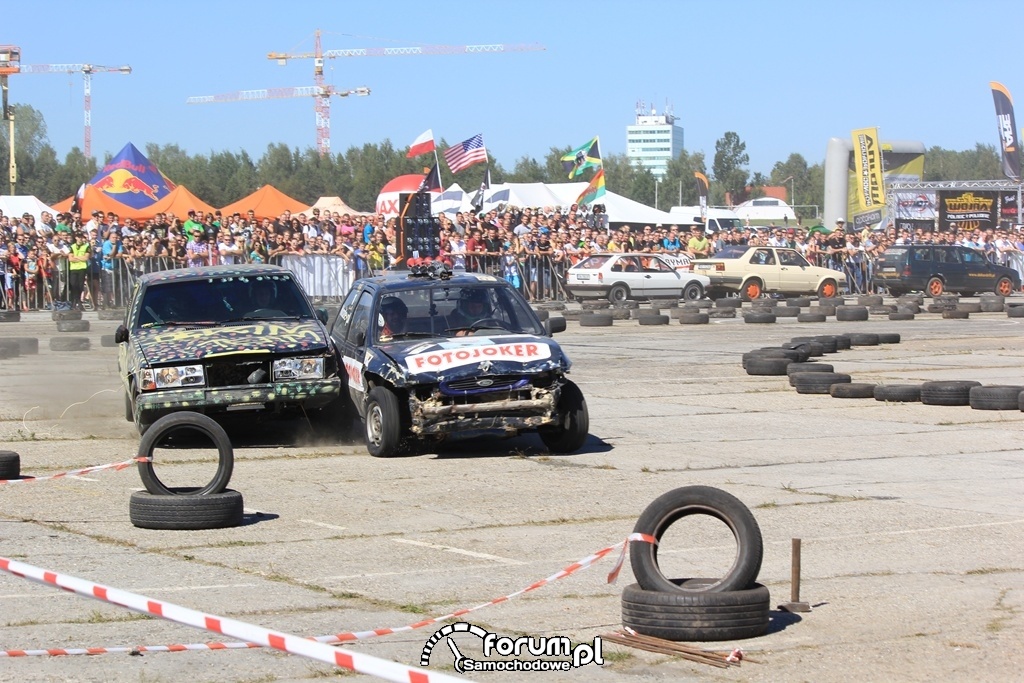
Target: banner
[913, 225]
[915, 204]
[867, 161]
[1008, 207]
[967, 209]
[899, 167]
[1007, 131]
[702, 192]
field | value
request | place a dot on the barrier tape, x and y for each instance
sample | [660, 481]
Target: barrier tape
[118, 466]
[279, 640]
[358, 635]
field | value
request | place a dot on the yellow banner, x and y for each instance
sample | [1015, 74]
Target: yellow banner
[867, 164]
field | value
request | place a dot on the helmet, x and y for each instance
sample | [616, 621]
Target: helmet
[263, 285]
[392, 304]
[470, 297]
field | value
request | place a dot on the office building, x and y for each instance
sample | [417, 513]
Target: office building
[653, 140]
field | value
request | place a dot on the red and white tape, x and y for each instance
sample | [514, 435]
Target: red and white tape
[354, 661]
[577, 566]
[117, 466]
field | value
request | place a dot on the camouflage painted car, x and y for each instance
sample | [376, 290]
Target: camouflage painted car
[224, 339]
[432, 354]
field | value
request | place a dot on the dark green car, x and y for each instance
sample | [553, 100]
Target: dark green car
[934, 269]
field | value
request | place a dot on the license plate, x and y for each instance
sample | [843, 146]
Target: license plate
[888, 270]
[582, 276]
[703, 266]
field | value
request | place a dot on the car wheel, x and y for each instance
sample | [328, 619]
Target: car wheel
[828, 289]
[1004, 287]
[752, 289]
[935, 287]
[383, 423]
[618, 293]
[574, 422]
[693, 292]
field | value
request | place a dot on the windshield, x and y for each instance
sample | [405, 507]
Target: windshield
[448, 311]
[732, 251]
[729, 223]
[217, 300]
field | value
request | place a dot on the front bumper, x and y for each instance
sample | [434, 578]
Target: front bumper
[275, 396]
[438, 415]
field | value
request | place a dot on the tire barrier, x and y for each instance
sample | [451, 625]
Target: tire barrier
[768, 366]
[722, 313]
[888, 337]
[810, 318]
[653, 320]
[183, 422]
[694, 319]
[901, 316]
[852, 313]
[828, 343]
[947, 393]
[995, 397]
[864, 339]
[758, 316]
[799, 353]
[9, 316]
[881, 310]
[1015, 312]
[730, 302]
[638, 313]
[955, 314]
[991, 306]
[10, 465]
[970, 307]
[786, 311]
[842, 342]
[821, 309]
[799, 301]
[28, 346]
[818, 382]
[898, 393]
[869, 300]
[186, 509]
[596, 320]
[729, 615]
[73, 326]
[852, 390]
[69, 343]
[814, 349]
[795, 369]
[58, 316]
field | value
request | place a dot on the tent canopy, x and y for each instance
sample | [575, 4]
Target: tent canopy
[332, 204]
[179, 202]
[267, 202]
[18, 205]
[132, 179]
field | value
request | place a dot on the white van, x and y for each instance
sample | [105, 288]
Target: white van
[718, 219]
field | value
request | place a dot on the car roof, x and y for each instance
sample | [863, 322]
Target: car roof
[402, 280]
[238, 270]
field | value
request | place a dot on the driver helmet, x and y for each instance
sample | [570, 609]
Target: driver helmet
[263, 285]
[474, 303]
[392, 304]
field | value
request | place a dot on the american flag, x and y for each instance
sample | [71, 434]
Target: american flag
[464, 154]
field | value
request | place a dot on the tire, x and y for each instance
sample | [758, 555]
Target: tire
[888, 338]
[814, 349]
[758, 317]
[898, 393]
[618, 313]
[618, 293]
[700, 304]
[752, 289]
[731, 302]
[111, 314]
[9, 349]
[901, 316]
[697, 616]
[107, 341]
[383, 423]
[654, 320]
[572, 433]
[935, 287]
[694, 319]
[909, 308]
[1015, 312]
[869, 300]
[693, 292]
[828, 289]
[827, 341]
[768, 366]
[817, 382]
[10, 465]
[129, 413]
[184, 510]
[864, 339]
[798, 353]
[988, 306]
[73, 326]
[996, 397]
[811, 318]
[629, 303]
[947, 393]
[1004, 287]
[955, 315]
[851, 313]
[969, 306]
[69, 343]
[799, 301]
[842, 342]
[57, 316]
[186, 421]
[682, 502]
[595, 305]
[28, 346]
[795, 369]
[596, 320]
[762, 304]
[722, 313]
[822, 309]
[882, 309]
[786, 311]
[852, 390]
[10, 316]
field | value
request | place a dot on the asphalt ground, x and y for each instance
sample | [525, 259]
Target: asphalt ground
[911, 516]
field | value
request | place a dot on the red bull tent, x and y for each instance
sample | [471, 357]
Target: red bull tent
[179, 202]
[131, 179]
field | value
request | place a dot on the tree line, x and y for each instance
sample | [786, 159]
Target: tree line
[223, 177]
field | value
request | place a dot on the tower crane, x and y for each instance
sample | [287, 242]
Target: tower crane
[87, 70]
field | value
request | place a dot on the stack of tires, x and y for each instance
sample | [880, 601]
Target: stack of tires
[729, 607]
[10, 465]
[211, 506]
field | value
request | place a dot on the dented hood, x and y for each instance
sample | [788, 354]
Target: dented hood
[425, 361]
[272, 337]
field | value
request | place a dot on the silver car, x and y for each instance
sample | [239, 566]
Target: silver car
[619, 277]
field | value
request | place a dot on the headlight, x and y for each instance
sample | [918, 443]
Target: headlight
[298, 368]
[174, 376]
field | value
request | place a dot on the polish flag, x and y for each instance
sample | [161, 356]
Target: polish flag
[421, 145]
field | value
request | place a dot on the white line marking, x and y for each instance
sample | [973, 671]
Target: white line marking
[457, 551]
[80, 478]
[323, 524]
[166, 589]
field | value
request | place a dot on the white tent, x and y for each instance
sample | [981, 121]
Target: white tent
[452, 200]
[18, 205]
[332, 204]
[765, 209]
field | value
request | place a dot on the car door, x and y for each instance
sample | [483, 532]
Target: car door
[660, 279]
[631, 273]
[763, 263]
[794, 273]
[350, 336]
[978, 272]
[948, 265]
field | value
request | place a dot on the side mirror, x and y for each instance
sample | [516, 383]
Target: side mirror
[121, 334]
[321, 315]
[554, 325]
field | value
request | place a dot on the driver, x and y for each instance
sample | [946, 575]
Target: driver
[474, 305]
[394, 313]
[263, 293]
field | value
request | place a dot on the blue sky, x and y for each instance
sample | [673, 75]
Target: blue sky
[785, 76]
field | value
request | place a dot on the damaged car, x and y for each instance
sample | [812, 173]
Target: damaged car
[428, 354]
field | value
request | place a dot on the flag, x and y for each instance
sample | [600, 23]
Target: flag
[595, 190]
[422, 144]
[431, 181]
[485, 184]
[76, 203]
[702, 192]
[466, 153]
[1007, 131]
[587, 155]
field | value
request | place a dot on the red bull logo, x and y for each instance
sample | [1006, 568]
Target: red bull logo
[122, 180]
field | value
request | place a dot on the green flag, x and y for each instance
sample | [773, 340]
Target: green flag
[587, 155]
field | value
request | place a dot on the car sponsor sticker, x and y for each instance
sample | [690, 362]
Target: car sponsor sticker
[354, 370]
[518, 352]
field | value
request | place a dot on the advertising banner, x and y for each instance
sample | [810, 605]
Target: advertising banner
[867, 163]
[915, 204]
[1007, 131]
[967, 209]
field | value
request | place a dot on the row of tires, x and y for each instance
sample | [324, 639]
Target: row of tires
[12, 316]
[14, 347]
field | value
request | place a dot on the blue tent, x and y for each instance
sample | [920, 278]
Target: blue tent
[132, 179]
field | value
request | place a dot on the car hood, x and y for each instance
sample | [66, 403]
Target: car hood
[433, 360]
[163, 345]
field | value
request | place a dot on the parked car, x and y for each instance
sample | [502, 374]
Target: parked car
[634, 276]
[224, 339]
[935, 269]
[753, 271]
[428, 354]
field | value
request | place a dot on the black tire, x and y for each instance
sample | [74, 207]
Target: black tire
[767, 366]
[955, 314]
[991, 306]
[57, 316]
[947, 393]
[722, 313]
[629, 303]
[10, 465]
[107, 341]
[852, 390]
[697, 616]
[814, 349]
[700, 304]
[827, 341]
[572, 433]
[909, 308]
[817, 382]
[618, 293]
[729, 302]
[694, 291]
[69, 343]
[969, 306]
[795, 369]
[798, 352]
[799, 301]
[129, 413]
[901, 316]
[810, 318]
[185, 510]
[842, 342]
[888, 337]
[596, 320]
[8, 316]
[864, 339]
[694, 319]
[884, 309]
[383, 423]
[28, 346]
[638, 313]
[73, 326]
[1015, 312]
[674, 505]
[995, 397]
[754, 316]
[851, 313]
[9, 349]
[786, 311]
[111, 314]
[653, 320]
[595, 305]
[766, 353]
[618, 313]
[822, 309]
[898, 393]
[869, 300]
[186, 421]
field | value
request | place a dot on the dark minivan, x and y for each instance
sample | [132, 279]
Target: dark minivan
[935, 269]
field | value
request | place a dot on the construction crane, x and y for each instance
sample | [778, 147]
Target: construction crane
[10, 61]
[87, 70]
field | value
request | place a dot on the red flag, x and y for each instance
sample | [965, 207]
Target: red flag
[421, 145]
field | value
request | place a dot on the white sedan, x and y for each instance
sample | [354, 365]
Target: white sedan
[619, 277]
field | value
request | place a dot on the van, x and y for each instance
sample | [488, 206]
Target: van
[719, 220]
[935, 269]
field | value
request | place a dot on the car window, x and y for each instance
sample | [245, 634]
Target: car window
[345, 314]
[593, 262]
[360, 320]
[788, 257]
[922, 254]
[732, 251]
[763, 257]
[656, 265]
[971, 257]
[215, 300]
[628, 264]
[946, 256]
